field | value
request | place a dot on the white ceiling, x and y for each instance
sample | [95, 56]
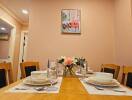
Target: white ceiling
[16, 6]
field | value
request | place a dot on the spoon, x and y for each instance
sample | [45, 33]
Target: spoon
[40, 88]
[99, 88]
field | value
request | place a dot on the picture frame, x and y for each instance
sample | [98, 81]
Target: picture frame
[71, 21]
[4, 36]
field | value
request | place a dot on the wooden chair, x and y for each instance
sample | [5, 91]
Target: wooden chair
[28, 67]
[111, 68]
[127, 76]
[6, 75]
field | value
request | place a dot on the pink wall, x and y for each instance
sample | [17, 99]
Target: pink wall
[4, 49]
[123, 32]
[95, 43]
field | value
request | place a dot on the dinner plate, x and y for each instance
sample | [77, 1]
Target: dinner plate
[113, 83]
[28, 81]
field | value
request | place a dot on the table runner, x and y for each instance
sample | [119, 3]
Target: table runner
[93, 90]
[22, 88]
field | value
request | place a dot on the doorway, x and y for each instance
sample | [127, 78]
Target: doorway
[7, 41]
[23, 50]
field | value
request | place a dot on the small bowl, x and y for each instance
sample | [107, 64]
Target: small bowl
[104, 75]
[38, 75]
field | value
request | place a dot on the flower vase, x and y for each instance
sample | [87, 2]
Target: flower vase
[80, 70]
[68, 71]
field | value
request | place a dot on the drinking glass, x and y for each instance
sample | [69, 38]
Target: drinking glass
[52, 72]
[60, 69]
[83, 71]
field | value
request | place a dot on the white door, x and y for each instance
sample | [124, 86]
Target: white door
[23, 50]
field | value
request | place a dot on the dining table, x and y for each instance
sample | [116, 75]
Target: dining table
[70, 89]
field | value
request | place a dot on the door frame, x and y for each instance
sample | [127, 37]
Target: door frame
[23, 51]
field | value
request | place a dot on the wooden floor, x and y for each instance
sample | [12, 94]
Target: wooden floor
[71, 89]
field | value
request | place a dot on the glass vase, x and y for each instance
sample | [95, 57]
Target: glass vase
[68, 71]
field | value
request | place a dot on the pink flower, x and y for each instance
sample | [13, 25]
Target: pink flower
[68, 61]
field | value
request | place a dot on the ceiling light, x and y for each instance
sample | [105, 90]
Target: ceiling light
[3, 28]
[24, 11]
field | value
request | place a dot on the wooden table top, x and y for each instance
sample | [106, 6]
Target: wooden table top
[71, 89]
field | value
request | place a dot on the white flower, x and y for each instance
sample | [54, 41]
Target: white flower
[74, 60]
[62, 57]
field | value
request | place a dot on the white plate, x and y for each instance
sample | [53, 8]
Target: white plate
[28, 81]
[114, 83]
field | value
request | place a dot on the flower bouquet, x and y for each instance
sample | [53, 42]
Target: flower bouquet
[69, 63]
[82, 63]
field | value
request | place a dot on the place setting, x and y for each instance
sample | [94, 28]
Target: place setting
[103, 84]
[40, 82]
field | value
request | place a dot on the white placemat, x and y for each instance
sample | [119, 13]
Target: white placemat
[106, 91]
[22, 88]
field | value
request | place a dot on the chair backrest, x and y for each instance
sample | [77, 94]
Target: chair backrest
[127, 76]
[28, 67]
[6, 75]
[111, 68]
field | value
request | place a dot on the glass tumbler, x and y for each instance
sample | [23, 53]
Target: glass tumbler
[52, 72]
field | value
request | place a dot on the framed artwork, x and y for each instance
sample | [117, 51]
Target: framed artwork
[70, 21]
[4, 36]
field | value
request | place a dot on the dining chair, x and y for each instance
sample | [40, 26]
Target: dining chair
[6, 75]
[28, 67]
[111, 68]
[127, 76]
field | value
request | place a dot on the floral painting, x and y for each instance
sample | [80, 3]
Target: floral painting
[70, 21]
